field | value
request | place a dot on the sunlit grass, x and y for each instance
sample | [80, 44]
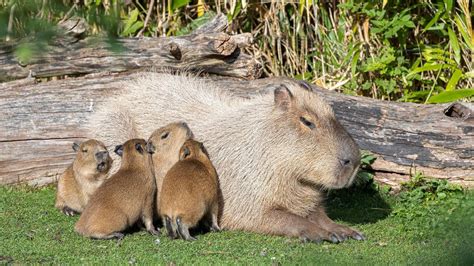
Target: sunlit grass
[32, 231]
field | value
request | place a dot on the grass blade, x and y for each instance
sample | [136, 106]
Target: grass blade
[453, 40]
[450, 96]
[453, 81]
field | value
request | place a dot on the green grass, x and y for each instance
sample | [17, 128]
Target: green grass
[399, 231]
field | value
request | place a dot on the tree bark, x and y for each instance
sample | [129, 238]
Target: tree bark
[40, 122]
[209, 49]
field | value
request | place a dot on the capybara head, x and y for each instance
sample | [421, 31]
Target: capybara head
[165, 143]
[92, 157]
[193, 149]
[318, 149]
[133, 151]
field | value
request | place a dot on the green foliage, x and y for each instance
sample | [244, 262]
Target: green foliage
[131, 23]
[451, 96]
[421, 189]
[175, 4]
[365, 176]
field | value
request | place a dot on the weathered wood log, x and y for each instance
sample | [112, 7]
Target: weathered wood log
[40, 122]
[209, 50]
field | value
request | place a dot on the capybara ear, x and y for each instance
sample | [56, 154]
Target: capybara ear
[139, 147]
[119, 150]
[184, 153]
[305, 85]
[75, 146]
[150, 148]
[203, 149]
[283, 97]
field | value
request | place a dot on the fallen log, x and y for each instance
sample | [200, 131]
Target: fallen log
[208, 49]
[40, 122]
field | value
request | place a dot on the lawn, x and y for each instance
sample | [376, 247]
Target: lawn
[413, 227]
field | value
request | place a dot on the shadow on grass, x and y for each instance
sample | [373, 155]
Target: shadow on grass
[357, 205]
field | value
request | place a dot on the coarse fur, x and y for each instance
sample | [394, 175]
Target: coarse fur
[124, 198]
[164, 145]
[190, 192]
[82, 178]
[273, 152]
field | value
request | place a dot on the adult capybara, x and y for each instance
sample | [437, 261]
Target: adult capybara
[273, 152]
[82, 178]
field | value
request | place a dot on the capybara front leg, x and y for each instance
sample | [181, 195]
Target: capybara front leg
[147, 216]
[280, 222]
[342, 232]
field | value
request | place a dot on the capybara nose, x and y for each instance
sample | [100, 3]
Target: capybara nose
[102, 155]
[344, 162]
[189, 133]
[150, 148]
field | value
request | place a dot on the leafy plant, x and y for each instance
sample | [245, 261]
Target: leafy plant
[422, 189]
[365, 176]
[422, 193]
[414, 51]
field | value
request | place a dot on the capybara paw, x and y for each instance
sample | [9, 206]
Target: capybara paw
[154, 231]
[319, 236]
[118, 236]
[215, 228]
[69, 212]
[344, 232]
[172, 235]
[191, 238]
[306, 239]
[358, 236]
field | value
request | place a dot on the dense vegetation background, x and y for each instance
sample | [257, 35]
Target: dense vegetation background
[418, 51]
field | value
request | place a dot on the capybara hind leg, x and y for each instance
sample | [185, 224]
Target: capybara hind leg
[279, 222]
[169, 227]
[214, 224]
[342, 232]
[183, 230]
[116, 235]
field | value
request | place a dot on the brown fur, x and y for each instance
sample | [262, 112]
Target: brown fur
[189, 192]
[273, 165]
[124, 198]
[167, 142]
[82, 178]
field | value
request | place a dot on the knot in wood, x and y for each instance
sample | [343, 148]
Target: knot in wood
[224, 44]
[175, 51]
[458, 110]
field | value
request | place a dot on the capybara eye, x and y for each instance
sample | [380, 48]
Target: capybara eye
[84, 150]
[307, 123]
[139, 147]
[164, 136]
